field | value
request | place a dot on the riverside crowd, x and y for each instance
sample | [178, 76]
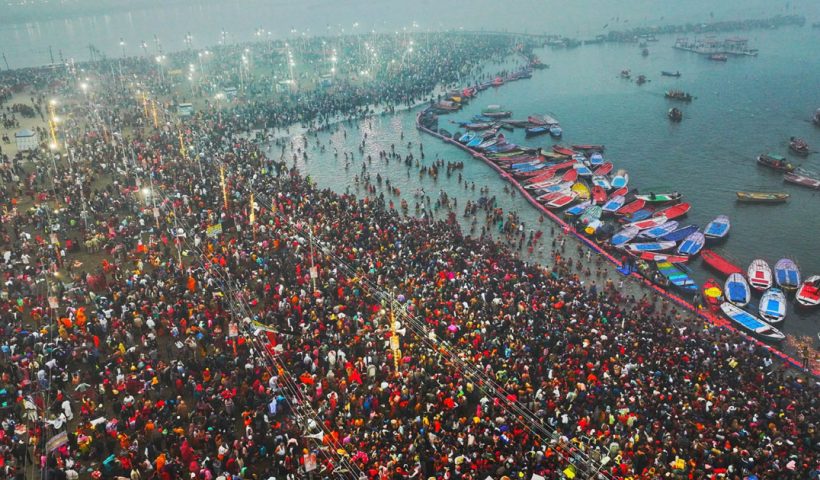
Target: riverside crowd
[214, 315]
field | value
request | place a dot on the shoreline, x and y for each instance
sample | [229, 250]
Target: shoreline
[711, 318]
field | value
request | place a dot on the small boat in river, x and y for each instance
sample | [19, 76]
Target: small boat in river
[798, 146]
[678, 95]
[808, 295]
[776, 162]
[751, 323]
[787, 274]
[666, 73]
[660, 197]
[760, 275]
[736, 290]
[802, 180]
[762, 197]
[675, 114]
[678, 277]
[719, 263]
[718, 228]
[772, 306]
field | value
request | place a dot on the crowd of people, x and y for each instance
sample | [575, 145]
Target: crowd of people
[177, 304]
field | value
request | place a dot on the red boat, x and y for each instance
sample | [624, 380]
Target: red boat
[712, 294]
[548, 175]
[603, 169]
[498, 82]
[598, 195]
[663, 257]
[719, 263]
[570, 175]
[631, 207]
[563, 150]
[674, 211]
[589, 148]
[621, 191]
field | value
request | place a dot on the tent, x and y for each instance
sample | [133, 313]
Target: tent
[26, 140]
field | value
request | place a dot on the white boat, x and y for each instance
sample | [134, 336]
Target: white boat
[751, 323]
[736, 290]
[773, 306]
[760, 275]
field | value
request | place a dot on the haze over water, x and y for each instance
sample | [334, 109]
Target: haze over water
[27, 43]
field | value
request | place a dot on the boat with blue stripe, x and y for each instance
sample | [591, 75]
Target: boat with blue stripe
[751, 323]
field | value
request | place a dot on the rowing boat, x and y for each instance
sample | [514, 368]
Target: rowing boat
[660, 197]
[680, 234]
[719, 263]
[760, 275]
[692, 244]
[773, 305]
[808, 295]
[649, 246]
[674, 211]
[624, 235]
[660, 230]
[621, 179]
[736, 289]
[751, 323]
[677, 277]
[786, 274]
[762, 197]
[717, 228]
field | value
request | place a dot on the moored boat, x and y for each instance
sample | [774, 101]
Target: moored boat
[751, 323]
[563, 150]
[537, 130]
[660, 230]
[677, 277]
[563, 200]
[736, 290]
[675, 211]
[718, 57]
[613, 204]
[762, 197]
[712, 294]
[578, 208]
[649, 246]
[589, 147]
[631, 207]
[772, 306]
[660, 197]
[692, 245]
[621, 179]
[787, 274]
[718, 228]
[556, 131]
[719, 263]
[776, 162]
[495, 111]
[624, 236]
[680, 234]
[648, 223]
[760, 275]
[808, 295]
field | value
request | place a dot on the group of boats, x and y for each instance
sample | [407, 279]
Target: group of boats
[791, 174]
[598, 199]
[495, 117]
[735, 298]
[455, 99]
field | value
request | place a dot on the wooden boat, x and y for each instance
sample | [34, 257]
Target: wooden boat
[624, 235]
[736, 290]
[598, 195]
[649, 246]
[798, 146]
[718, 57]
[562, 201]
[660, 197]
[760, 275]
[674, 114]
[603, 169]
[751, 323]
[558, 187]
[538, 130]
[692, 245]
[660, 230]
[495, 111]
[589, 148]
[648, 223]
[582, 169]
[802, 180]
[772, 306]
[675, 211]
[670, 74]
[641, 214]
[596, 159]
[712, 294]
[614, 203]
[591, 214]
[621, 179]
[601, 181]
[582, 190]
[570, 175]
[719, 263]
[808, 295]
[578, 209]
[544, 184]
[677, 277]
[631, 207]
[680, 234]
[718, 228]
[787, 274]
[775, 162]
[563, 150]
[678, 95]
[661, 257]
[762, 197]
[556, 131]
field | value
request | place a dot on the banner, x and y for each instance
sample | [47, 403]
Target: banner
[57, 441]
[213, 231]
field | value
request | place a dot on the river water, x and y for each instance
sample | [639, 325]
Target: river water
[743, 107]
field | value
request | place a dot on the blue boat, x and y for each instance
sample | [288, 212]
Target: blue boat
[596, 159]
[556, 131]
[751, 323]
[482, 118]
[641, 214]
[613, 204]
[677, 277]
[717, 228]
[737, 290]
[621, 179]
[467, 137]
[578, 209]
[681, 233]
[624, 236]
[660, 230]
[476, 141]
[583, 170]
[650, 246]
[773, 306]
[692, 245]
[786, 274]
[539, 130]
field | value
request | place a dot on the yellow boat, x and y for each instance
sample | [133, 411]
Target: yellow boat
[762, 197]
[581, 189]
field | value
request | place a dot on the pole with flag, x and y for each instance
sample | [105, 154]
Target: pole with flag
[224, 188]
